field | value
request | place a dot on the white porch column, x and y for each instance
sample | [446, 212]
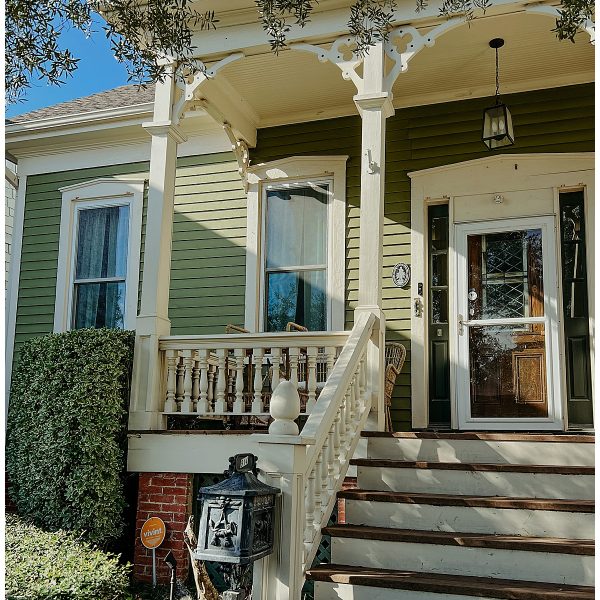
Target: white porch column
[375, 106]
[153, 320]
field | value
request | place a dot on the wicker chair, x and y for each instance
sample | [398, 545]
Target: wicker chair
[395, 355]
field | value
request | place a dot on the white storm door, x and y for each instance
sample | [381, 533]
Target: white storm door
[507, 371]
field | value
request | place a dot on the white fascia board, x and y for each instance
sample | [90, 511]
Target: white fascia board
[91, 117]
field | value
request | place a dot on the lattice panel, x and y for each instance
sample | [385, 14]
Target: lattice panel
[504, 300]
[504, 253]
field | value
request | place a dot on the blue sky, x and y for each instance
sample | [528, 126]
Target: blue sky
[98, 71]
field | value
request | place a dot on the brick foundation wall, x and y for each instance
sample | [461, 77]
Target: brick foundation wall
[168, 496]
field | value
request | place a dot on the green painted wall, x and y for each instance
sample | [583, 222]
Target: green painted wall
[556, 120]
[39, 255]
[208, 270]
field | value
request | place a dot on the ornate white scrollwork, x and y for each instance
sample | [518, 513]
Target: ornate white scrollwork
[242, 154]
[341, 54]
[552, 11]
[190, 85]
[418, 41]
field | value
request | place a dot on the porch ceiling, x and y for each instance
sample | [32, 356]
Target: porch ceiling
[296, 87]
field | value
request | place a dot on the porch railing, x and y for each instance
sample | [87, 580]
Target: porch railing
[235, 374]
[310, 468]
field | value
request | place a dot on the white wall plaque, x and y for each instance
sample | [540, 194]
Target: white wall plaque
[401, 275]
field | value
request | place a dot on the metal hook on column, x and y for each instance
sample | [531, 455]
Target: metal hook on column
[372, 167]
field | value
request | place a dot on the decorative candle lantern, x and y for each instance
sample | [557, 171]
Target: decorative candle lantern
[497, 120]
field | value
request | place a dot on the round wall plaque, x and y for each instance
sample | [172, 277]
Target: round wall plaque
[401, 275]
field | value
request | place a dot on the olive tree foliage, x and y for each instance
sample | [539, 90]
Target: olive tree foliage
[143, 34]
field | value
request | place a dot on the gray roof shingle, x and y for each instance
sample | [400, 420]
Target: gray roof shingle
[126, 95]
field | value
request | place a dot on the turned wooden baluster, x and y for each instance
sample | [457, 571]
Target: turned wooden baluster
[331, 461]
[294, 354]
[336, 445]
[179, 379]
[202, 406]
[238, 405]
[309, 506]
[275, 376]
[311, 354]
[362, 380]
[172, 357]
[318, 484]
[329, 360]
[221, 386]
[324, 473]
[211, 386]
[186, 401]
[195, 380]
[257, 403]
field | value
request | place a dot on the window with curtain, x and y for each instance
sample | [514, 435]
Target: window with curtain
[296, 256]
[99, 285]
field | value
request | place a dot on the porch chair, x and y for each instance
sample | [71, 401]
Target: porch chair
[395, 355]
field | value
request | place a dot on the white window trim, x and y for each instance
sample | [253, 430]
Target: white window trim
[97, 193]
[295, 170]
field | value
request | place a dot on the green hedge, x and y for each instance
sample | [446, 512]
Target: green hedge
[42, 565]
[66, 431]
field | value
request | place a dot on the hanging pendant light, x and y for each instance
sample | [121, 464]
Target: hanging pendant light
[497, 121]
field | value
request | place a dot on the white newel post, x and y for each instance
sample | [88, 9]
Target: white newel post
[282, 459]
[375, 106]
[153, 320]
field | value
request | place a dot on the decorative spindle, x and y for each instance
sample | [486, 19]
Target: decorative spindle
[336, 445]
[221, 381]
[294, 354]
[318, 483]
[211, 387]
[311, 354]
[170, 405]
[257, 403]
[179, 379]
[309, 505]
[203, 406]
[186, 402]
[329, 360]
[195, 380]
[330, 462]
[275, 375]
[238, 406]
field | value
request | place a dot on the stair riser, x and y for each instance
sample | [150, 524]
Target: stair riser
[461, 560]
[483, 451]
[344, 591]
[479, 483]
[508, 521]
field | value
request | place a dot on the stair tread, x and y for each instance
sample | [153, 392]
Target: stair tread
[553, 504]
[472, 540]
[472, 466]
[580, 438]
[506, 589]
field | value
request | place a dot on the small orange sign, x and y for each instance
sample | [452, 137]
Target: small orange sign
[153, 532]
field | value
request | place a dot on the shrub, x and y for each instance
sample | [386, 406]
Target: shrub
[66, 431]
[43, 565]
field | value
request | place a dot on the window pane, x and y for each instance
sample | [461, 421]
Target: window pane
[99, 305]
[296, 226]
[102, 242]
[297, 297]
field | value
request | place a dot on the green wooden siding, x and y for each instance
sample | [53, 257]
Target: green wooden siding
[39, 254]
[555, 120]
[208, 268]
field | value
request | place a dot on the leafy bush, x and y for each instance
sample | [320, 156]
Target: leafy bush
[43, 565]
[66, 433]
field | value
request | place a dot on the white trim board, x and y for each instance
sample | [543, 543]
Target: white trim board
[98, 192]
[297, 169]
[529, 184]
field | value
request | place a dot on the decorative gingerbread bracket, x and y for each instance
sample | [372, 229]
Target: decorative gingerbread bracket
[242, 154]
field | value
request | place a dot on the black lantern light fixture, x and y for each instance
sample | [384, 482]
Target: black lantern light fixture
[497, 120]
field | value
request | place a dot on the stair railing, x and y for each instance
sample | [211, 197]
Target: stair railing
[310, 467]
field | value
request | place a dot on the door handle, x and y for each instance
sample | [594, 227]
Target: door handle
[418, 308]
[461, 325]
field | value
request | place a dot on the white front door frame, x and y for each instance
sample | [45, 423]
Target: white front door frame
[550, 321]
[469, 188]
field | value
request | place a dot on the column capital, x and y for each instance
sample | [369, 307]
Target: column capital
[165, 128]
[375, 101]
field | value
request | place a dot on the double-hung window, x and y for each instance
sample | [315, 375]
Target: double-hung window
[296, 255]
[99, 255]
[100, 274]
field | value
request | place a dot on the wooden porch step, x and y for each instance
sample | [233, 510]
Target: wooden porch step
[472, 540]
[580, 438]
[462, 466]
[552, 504]
[481, 587]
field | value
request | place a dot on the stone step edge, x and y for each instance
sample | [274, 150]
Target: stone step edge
[502, 502]
[504, 589]
[470, 466]
[580, 438]
[470, 540]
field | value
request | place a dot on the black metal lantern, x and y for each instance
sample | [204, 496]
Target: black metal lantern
[238, 514]
[497, 120]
